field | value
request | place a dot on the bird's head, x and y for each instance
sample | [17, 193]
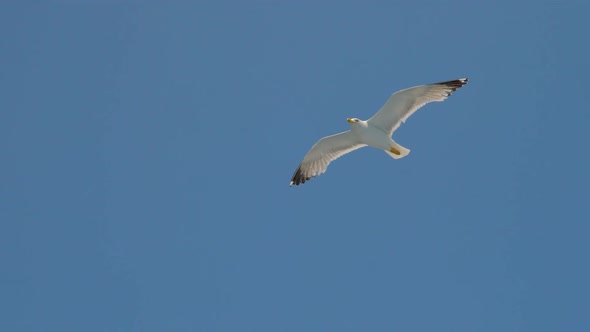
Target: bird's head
[352, 120]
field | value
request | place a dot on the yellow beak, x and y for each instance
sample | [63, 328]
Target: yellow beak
[349, 120]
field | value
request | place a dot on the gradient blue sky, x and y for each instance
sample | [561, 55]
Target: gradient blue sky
[147, 148]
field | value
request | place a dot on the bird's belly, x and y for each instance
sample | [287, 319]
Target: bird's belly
[375, 138]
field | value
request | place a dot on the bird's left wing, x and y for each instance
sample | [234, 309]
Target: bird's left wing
[329, 148]
[402, 104]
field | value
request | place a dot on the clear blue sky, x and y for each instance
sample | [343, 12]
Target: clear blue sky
[147, 147]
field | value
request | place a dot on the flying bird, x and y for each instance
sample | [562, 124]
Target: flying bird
[376, 131]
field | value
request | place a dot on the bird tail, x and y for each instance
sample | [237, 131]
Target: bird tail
[397, 151]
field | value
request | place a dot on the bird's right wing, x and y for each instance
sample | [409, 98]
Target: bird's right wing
[402, 104]
[329, 148]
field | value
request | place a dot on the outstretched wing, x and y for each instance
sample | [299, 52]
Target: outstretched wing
[404, 103]
[329, 148]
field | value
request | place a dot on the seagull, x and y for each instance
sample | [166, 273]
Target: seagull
[376, 131]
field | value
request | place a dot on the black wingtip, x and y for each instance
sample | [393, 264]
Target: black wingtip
[298, 177]
[454, 84]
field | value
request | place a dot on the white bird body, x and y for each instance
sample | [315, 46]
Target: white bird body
[376, 131]
[374, 137]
